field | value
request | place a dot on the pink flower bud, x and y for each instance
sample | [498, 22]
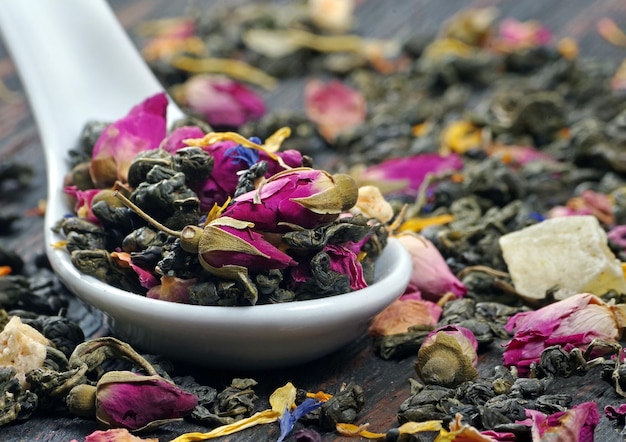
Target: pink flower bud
[300, 197]
[142, 129]
[431, 275]
[227, 243]
[128, 400]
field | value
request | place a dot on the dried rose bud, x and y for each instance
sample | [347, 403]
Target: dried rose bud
[431, 274]
[448, 357]
[221, 101]
[572, 323]
[230, 158]
[142, 129]
[301, 197]
[129, 400]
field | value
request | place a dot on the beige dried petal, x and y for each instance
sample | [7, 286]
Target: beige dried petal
[372, 204]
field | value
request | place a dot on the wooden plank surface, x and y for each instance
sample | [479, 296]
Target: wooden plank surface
[385, 382]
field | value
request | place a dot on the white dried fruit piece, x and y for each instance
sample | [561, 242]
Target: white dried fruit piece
[22, 347]
[566, 256]
[372, 204]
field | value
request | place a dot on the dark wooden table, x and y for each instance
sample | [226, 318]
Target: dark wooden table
[385, 382]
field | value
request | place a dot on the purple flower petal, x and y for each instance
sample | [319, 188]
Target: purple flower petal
[577, 424]
[344, 261]
[174, 140]
[409, 172]
[83, 198]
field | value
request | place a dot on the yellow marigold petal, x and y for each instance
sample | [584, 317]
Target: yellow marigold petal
[319, 395]
[418, 224]
[59, 244]
[283, 398]
[351, 430]
[461, 136]
[568, 48]
[262, 417]
[418, 427]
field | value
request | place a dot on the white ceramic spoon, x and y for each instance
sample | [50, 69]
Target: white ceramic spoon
[78, 64]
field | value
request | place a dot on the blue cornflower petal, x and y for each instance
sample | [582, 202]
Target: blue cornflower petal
[245, 154]
[289, 418]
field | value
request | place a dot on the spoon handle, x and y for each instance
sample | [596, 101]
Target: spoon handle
[76, 63]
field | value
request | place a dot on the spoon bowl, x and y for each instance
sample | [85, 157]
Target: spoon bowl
[78, 64]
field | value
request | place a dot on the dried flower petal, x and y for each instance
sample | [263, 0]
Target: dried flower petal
[405, 175]
[84, 199]
[572, 323]
[466, 433]
[221, 101]
[175, 139]
[172, 289]
[372, 204]
[283, 398]
[332, 15]
[142, 129]
[146, 278]
[615, 412]
[133, 401]
[290, 417]
[588, 203]
[431, 274]
[345, 261]
[515, 35]
[334, 107]
[576, 424]
[402, 314]
[115, 435]
[461, 136]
